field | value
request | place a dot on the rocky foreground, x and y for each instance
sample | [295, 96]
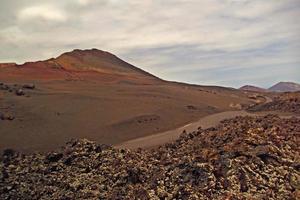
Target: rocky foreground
[285, 102]
[242, 158]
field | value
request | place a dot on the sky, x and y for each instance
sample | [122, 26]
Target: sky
[209, 42]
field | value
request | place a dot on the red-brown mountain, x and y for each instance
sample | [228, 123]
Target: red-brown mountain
[90, 64]
[95, 95]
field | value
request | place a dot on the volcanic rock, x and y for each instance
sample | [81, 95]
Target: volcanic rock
[4, 116]
[242, 158]
[285, 102]
[20, 92]
[29, 86]
[4, 87]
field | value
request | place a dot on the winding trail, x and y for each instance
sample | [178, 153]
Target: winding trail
[268, 99]
[171, 135]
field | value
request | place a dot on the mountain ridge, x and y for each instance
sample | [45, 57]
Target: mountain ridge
[278, 87]
[88, 63]
[253, 88]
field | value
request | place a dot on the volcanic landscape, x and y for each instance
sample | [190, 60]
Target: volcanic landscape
[88, 125]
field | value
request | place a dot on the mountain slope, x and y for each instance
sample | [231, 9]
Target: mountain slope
[90, 64]
[97, 60]
[285, 87]
[252, 88]
[95, 95]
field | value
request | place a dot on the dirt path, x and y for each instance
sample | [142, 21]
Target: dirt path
[268, 99]
[171, 135]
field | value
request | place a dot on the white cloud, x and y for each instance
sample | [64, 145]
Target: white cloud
[84, 2]
[46, 12]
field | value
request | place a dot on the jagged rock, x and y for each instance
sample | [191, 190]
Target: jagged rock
[54, 157]
[191, 107]
[4, 87]
[20, 92]
[285, 102]
[241, 158]
[8, 153]
[29, 86]
[8, 117]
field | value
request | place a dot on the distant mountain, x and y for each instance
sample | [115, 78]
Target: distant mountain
[253, 88]
[279, 87]
[285, 87]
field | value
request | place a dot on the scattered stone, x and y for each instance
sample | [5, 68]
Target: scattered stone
[191, 107]
[8, 117]
[4, 87]
[285, 102]
[20, 92]
[29, 86]
[8, 152]
[54, 157]
[236, 106]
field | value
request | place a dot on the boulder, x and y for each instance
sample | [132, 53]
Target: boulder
[54, 157]
[20, 92]
[4, 87]
[191, 107]
[29, 86]
[8, 117]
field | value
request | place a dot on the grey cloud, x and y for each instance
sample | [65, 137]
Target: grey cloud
[171, 38]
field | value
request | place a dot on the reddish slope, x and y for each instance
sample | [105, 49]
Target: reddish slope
[252, 88]
[77, 65]
[116, 102]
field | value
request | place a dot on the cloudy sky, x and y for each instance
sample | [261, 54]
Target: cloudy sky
[219, 42]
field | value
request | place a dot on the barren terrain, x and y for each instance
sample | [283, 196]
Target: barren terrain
[152, 139]
[93, 94]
